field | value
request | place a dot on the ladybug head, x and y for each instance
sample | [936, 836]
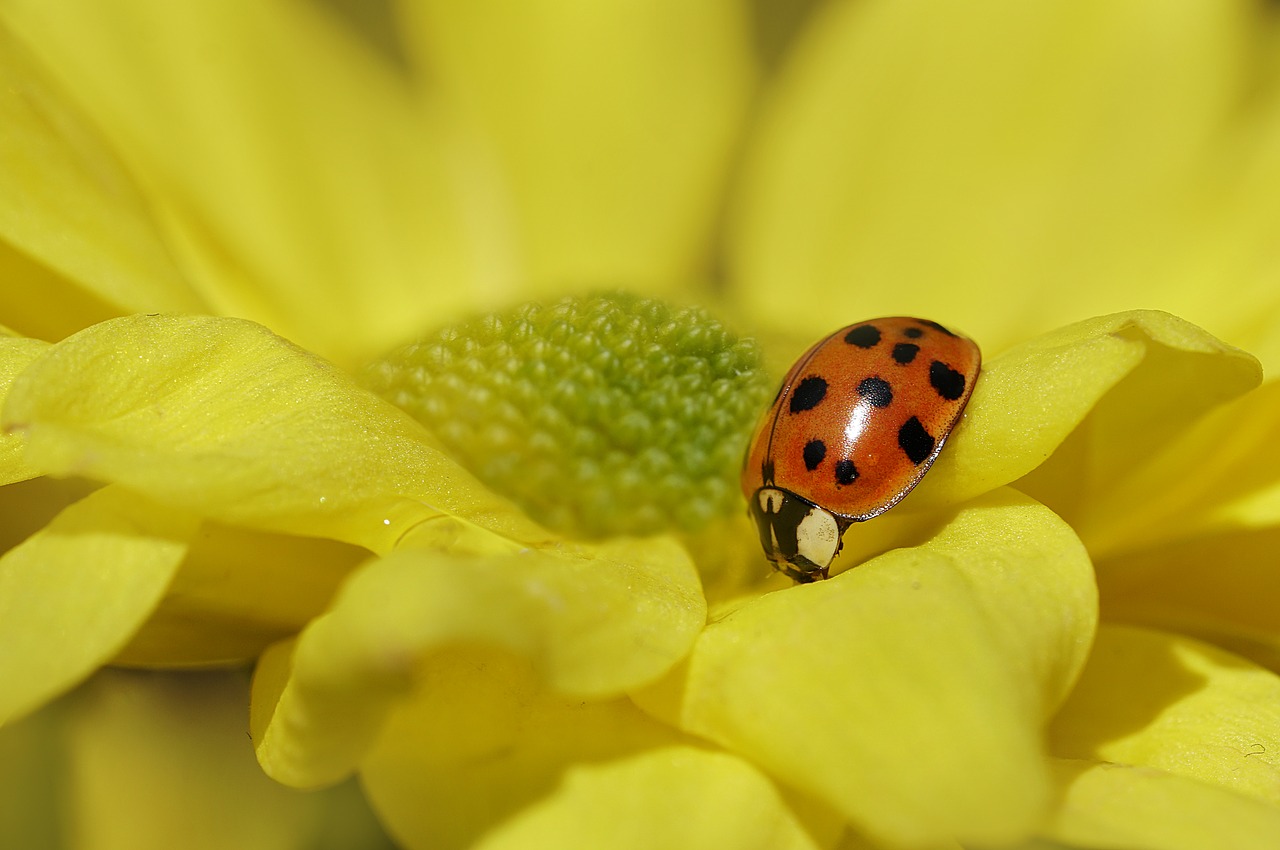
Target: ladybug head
[798, 536]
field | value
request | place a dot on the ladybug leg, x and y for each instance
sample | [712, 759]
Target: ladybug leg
[807, 575]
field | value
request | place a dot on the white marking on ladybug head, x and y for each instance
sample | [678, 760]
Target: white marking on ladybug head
[818, 537]
[770, 500]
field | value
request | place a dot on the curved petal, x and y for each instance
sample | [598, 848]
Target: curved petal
[301, 183]
[73, 593]
[670, 797]
[1184, 374]
[77, 241]
[908, 693]
[1072, 413]
[593, 621]
[1111, 805]
[1188, 542]
[16, 353]
[237, 592]
[1159, 700]
[1059, 159]
[596, 137]
[1222, 474]
[28, 506]
[226, 419]
[508, 764]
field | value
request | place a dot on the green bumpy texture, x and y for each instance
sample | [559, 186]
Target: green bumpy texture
[599, 415]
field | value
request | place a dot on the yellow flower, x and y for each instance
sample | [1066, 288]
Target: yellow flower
[216, 211]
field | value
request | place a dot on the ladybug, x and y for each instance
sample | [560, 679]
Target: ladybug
[854, 427]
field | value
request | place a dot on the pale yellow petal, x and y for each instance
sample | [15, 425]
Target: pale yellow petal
[73, 594]
[509, 765]
[1071, 413]
[302, 185]
[78, 243]
[16, 353]
[226, 419]
[909, 693]
[1106, 806]
[1159, 700]
[598, 137]
[237, 592]
[593, 621]
[1005, 166]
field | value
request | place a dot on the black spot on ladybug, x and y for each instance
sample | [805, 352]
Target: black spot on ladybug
[947, 381]
[912, 333]
[936, 326]
[846, 472]
[809, 394]
[915, 441]
[814, 452]
[863, 336]
[905, 352]
[876, 391]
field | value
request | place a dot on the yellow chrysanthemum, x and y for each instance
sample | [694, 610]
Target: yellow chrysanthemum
[212, 213]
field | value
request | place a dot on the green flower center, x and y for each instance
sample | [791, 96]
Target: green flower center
[601, 415]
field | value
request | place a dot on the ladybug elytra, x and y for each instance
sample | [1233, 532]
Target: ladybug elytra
[857, 422]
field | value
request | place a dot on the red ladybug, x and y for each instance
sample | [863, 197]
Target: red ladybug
[854, 427]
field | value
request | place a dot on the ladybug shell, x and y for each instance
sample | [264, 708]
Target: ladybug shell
[861, 416]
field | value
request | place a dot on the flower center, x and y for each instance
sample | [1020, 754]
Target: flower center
[599, 415]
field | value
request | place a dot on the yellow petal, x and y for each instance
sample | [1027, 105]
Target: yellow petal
[1110, 805]
[1000, 166]
[31, 755]
[1222, 474]
[1159, 700]
[1184, 374]
[593, 622]
[28, 506]
[908, 693]
[561, 106]
[671, 797]
[237, 592]
[225, 418]
[72, 594]
[147, 761]
[77, 241]
[16, 353]
[1083, 407]
[303, 187]
[508, 764]
[1188, 542]
[1219, 587]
